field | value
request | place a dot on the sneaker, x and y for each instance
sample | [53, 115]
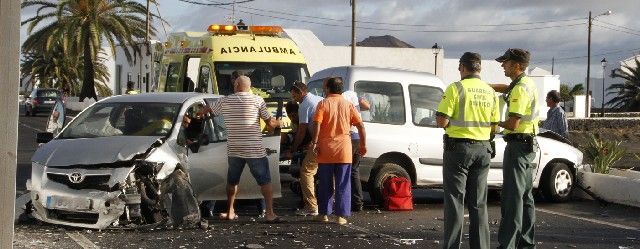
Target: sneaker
[322, 218]
[304, 212]
[342, 220]
[356, 208]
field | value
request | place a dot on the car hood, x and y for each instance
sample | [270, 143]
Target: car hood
[92, 151]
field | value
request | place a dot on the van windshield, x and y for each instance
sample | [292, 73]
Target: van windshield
[315, 87]
[267, 76]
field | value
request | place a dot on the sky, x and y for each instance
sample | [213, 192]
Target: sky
[547, 28]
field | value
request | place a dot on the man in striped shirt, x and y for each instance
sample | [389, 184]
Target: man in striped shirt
[242, 112]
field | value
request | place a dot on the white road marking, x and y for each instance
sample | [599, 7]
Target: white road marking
[589, 220]
[36, 129]
[82, 241]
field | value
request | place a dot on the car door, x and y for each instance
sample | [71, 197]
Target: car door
[208, 167]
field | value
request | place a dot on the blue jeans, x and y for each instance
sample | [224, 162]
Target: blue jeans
[259, 168]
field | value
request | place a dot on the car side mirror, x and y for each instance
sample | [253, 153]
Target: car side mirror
[194, 147]
[44, 137]
[204, 139]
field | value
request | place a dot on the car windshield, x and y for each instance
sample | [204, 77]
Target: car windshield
[123, 119]
[48, 93]
[266, 76]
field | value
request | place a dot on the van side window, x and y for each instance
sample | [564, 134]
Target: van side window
[386, 102]
[173, 77]
[424, 104]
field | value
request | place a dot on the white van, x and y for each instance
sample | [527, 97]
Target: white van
[403, 140]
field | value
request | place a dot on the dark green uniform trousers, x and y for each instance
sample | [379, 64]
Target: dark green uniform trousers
[517, 207]
[465, 170]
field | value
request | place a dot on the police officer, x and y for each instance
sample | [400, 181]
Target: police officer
[469, 113]
[518, 211]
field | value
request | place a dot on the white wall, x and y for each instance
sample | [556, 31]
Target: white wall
[492, 71]
[319, 56]
[136, 71]
[545, 84]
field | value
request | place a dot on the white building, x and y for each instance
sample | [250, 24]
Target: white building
[142, 71]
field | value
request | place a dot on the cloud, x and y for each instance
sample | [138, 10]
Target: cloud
[333, 21]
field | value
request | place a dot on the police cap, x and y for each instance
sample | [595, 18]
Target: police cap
[470, 57]
[515, 54]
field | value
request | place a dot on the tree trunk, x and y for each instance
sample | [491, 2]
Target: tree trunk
[88, 85]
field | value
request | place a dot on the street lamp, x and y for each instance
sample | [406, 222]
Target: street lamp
[604, 65]
[436, 49]
[586, 103]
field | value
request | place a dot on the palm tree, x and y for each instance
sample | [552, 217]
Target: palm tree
[567, 94]
[82, 26]
[627, 93]
[55, 69]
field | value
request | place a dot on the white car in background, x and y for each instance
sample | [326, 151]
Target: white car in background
[403, 140]
[120, 160]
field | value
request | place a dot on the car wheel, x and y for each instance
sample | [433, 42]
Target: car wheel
[381, 175]
[558, 182]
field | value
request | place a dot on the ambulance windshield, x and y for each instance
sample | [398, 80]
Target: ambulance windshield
[275, 78]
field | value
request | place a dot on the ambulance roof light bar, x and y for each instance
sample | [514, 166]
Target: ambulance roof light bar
[217, 29]
[222, 29]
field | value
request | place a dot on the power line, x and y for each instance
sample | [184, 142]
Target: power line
[619, 30]
[584, 56]
[619, 26]
[215, 3]
[410, 25]
[401, 30]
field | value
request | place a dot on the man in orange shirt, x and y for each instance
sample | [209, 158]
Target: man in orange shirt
[332, 144]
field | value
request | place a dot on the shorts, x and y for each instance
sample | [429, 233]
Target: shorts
[259, 168]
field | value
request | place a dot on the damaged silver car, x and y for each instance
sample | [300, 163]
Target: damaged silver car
[136, 159]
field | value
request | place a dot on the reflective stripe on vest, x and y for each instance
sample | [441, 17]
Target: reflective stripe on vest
[534, 104]
[461, 101]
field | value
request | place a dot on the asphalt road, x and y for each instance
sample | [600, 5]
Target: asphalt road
[577, 224]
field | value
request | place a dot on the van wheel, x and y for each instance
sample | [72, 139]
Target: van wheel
[381, 175]
[557, 182]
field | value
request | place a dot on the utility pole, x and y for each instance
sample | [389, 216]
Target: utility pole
[147, 43]
[353, 32]
[587, 101]
[9, 72]
[553, 62]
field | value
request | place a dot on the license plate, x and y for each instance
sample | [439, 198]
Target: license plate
[49, 101]
[68, 203]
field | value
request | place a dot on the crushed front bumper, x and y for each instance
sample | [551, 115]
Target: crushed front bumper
[85, 208]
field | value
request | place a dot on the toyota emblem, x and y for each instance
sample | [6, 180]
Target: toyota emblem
[76, 177]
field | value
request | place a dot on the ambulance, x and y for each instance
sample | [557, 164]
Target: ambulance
[204, 61]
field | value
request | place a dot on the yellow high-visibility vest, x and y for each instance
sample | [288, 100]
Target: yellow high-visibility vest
[471, 106]
[523, 102]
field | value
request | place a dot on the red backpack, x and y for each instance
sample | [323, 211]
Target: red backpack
[397, 194]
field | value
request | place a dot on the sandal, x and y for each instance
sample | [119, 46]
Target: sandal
[225, 216]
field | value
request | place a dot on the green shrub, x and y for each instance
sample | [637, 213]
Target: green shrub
[603, 153]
